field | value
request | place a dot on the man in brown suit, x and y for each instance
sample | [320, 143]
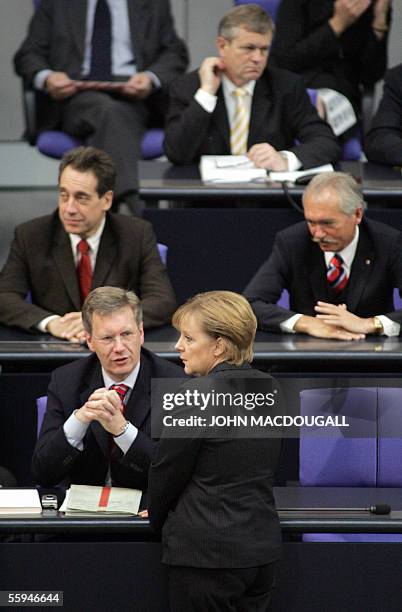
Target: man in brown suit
[44, 255]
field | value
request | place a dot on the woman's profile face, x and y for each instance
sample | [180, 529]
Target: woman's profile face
[199, 351]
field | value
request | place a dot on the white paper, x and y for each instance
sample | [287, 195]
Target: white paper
[19, 501]
[281, 177]
[339, 112]
[85, 499]
[230, 169]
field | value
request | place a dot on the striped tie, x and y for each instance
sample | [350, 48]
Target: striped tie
[240, 124]
[121, 391]
[336, 274]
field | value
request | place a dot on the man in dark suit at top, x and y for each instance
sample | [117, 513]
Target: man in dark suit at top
[383, 143]
[340, 269]
[129, 41]
[235, 104]
[58, 258]
[97, 425]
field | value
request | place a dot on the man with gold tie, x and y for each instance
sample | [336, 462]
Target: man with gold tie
[235, 105]
[57, 259]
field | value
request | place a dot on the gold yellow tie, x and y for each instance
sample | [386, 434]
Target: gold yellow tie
[240, 124]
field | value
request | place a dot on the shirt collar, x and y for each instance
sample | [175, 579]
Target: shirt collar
[130, 380]
[93, 240]
[229, 86]
[347, 254]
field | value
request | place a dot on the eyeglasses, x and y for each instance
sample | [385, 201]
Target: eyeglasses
[125, 337]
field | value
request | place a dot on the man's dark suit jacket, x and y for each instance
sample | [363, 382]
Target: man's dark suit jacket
[383, 143]
[41, 262]
[56, 40]
[298, 265]
[213, 498]
[55, 460]
[306, 44]
[281, 113]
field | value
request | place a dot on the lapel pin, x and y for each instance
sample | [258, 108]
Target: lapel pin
[368, 262]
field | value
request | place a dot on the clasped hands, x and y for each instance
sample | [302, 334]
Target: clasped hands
[335, 321]
[104, 406]
[60, 87]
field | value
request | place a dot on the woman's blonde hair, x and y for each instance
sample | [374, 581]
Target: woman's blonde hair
[223, 314]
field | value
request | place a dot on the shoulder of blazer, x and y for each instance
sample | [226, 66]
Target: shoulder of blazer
[185, 84]
[378, 231]
[159, 367]
[122, 225]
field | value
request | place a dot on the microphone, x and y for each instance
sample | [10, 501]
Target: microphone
[378, 509]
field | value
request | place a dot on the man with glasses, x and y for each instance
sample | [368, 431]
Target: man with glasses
[235, 105]
[97, 426]
[339, 268]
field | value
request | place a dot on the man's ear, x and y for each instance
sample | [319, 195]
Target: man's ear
[141, 328]
[359, 215]
[89, 341]
[107, 200]
[221, 44]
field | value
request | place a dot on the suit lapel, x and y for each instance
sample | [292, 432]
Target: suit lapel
[139, 403]
[77, 16]
[362, 267]
[106, 256]
[260, 109]
[63, 257]
[138, 15]
[95, 381]
[221, 120]
[317, 274]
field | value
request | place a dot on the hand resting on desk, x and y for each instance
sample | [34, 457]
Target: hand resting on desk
[69, 327]
[314, 326]
[339, 316]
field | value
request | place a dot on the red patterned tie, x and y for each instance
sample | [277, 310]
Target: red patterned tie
[121, 390]
[336, 274]
[84, 269]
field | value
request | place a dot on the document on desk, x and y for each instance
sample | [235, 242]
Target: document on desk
[21, 502]
[230, 169]
[281, 177]
[90, 500]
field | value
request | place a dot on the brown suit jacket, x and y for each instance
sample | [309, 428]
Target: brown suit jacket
[40, 263]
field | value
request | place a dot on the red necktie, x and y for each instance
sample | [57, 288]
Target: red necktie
[84, 269]
[121, 389]
[336, 274]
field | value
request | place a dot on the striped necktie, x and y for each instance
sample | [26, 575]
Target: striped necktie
[336, 274]
[240, 124]
[121, 390]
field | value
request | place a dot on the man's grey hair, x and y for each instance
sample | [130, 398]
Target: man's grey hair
[251, 17]
[105, 301]
[349, 192]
